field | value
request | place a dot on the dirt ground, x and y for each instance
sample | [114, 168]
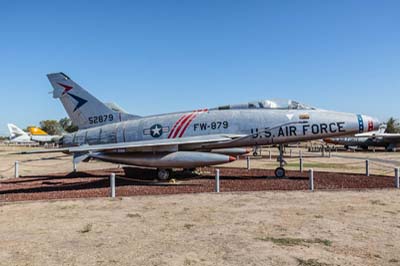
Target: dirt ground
[258, 228]
[303, 228]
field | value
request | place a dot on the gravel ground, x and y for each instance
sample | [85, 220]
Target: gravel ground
[139, 181]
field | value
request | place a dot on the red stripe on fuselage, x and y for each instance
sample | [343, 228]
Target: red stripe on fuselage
[181, 124]
[191, 119]
[176, 124]
[187, 124]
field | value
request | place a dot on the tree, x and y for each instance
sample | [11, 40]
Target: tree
[392, 126]
[67, 125]
[52, 127]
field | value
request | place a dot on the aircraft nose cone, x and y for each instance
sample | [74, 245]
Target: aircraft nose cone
[368, 123]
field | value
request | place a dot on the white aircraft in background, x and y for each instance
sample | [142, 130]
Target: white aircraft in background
[35, 135]
[17, 135]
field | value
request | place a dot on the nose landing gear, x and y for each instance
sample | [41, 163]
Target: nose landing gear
[280, 171]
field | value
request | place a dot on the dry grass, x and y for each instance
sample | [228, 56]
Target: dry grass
[287, 241]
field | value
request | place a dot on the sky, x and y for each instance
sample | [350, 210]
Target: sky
[153, 57]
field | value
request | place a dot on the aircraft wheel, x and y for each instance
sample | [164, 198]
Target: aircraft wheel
[164, 174]
[280, 172]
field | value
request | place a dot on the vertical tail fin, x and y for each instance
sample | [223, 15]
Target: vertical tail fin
[84, 109]
[15, 131]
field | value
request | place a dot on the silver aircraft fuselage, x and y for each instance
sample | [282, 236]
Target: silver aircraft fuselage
[266, 126]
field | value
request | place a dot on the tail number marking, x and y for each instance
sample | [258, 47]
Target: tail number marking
[99, 119]
[212, 125]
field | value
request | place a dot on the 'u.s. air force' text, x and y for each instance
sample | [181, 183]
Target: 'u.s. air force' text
[307, 129]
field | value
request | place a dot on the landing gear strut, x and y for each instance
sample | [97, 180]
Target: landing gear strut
[164, 174]
[280, 171]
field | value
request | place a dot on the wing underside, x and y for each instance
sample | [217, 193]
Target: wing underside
[163, 145]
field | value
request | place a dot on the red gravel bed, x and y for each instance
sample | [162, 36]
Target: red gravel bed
[141, 182]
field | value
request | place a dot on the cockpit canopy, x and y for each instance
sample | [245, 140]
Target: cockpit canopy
[278, 104]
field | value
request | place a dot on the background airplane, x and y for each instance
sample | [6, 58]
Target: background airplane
[35, 135]
[38, 135]
[379, 138]
[189, 139]
[17, 135]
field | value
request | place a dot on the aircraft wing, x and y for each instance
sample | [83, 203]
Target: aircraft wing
[154, 145]
[146, 145]
[388, 136]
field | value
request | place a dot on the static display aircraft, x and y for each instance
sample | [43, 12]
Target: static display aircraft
[38, 135]
[35, 135]
[17, 135]
[370, 139]
[192, 139]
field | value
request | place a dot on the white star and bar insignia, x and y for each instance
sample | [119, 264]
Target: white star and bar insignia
[156, 130]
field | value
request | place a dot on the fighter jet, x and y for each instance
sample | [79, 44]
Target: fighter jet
[370, 139]
[194, 138]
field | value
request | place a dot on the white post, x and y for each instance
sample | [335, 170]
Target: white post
[301, 164]
[373, 149]
[248, 162]
[112, 185]
[311, 176]
[396, 175]
[74, 166]
[367, 167]
[16, 169]
[269, 154]
[217, 180]
[322, 151]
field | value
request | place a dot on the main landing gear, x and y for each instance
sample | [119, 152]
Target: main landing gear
[164, 174]
[280, 171]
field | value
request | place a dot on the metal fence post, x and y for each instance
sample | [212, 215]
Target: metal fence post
[112, 185]
[269, 154]
[74, 166]
[311, 176]
[301, 164]
[367, 167]
[16, 169]
[217, 180]
[396, 175]
[248, 162]
[290, 151]
[329, 152]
